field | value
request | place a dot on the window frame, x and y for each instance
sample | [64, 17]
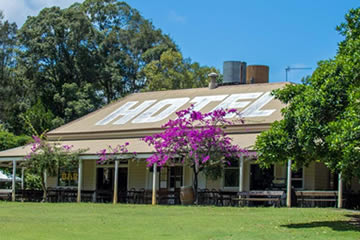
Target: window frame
[232, 167]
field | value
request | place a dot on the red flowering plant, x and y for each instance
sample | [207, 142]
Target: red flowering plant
[198, 140]
[49, 157]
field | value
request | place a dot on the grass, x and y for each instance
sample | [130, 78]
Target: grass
[106, 221]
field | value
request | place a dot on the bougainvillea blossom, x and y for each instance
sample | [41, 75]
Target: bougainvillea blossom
[197, 139]
[107, 154]
[196, 136]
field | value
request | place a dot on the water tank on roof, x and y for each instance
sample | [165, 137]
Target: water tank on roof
[234, 72]
[257, 74]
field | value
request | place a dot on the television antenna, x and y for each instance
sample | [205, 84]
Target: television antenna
[288, 69]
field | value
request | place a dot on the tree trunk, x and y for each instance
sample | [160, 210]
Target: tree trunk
[44, 189]
[196, 185]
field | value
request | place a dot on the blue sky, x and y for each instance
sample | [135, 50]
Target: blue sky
[277, 33]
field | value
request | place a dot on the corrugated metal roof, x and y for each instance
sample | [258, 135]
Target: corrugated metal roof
[110, 119]
[112, 125]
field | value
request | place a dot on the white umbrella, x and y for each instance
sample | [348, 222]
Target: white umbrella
[7, 178]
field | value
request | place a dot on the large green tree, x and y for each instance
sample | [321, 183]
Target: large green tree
[171, 71]
[7, 62]
[69, 62]
[125, 43]
[80, 58]
[321, 120]
[54, 55]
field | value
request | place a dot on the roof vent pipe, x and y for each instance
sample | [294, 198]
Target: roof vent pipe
[212, 83]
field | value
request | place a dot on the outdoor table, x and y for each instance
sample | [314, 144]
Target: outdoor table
[168, 197]
[226, 197]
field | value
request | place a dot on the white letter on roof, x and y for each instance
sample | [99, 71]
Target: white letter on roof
[232, 102]
[254, 109]
[125, 111]
[148, 115]
[201, 102]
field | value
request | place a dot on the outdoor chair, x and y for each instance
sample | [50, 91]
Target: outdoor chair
[215, 198]
[87, 196]
[140, 196]
[103, 196]
[130, 198]
[52, 195]
[122, 196]
[204, 196]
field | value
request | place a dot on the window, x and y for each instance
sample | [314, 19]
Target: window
[171, 177]
[297, 178]
[68, 177]
[176, 174]
[231, 174]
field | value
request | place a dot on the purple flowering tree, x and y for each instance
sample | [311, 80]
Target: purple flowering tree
[197, 140]
[46, 157]
[111, 153]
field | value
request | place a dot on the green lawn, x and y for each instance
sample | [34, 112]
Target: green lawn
[107, 221]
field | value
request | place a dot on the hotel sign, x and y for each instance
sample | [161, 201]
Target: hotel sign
[149, 111]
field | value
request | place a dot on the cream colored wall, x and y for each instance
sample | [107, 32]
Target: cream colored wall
[137, 174]
[218, 183]
[52, 182]
[316, 177]
[213, 184]
[149, 180]
[322, 177]
[246, 178]
[188, 174]
[188, 178]
[280, 171]
[309, 177]
[355, 185]
[89, 175]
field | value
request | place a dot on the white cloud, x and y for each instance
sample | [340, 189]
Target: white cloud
[173, 16]
[18, 10]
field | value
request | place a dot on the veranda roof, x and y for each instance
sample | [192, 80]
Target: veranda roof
[136, 145]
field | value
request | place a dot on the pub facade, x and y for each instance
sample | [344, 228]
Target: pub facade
[142, 114]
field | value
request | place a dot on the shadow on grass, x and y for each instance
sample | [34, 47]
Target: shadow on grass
[353, 224]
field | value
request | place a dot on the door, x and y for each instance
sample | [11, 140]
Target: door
[106, 176]
[261, 179]
[104, 179]
[122, 180]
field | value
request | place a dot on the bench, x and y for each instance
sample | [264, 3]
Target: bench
[5, 194]
[310, 198]
[273, 197]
